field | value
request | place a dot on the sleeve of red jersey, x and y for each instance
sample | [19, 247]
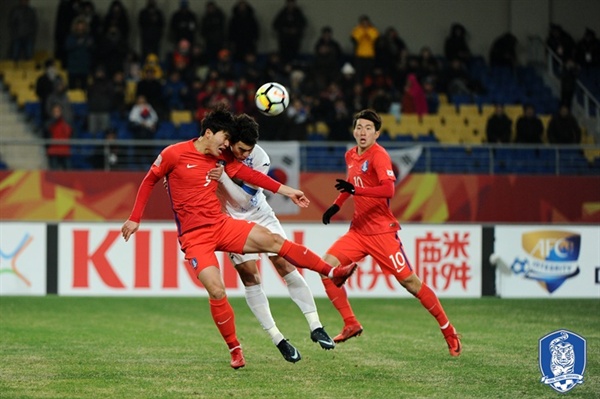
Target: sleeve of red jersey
[155, 173]
[251, 176]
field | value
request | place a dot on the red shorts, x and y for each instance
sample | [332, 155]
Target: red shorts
[386, 249]
[200, 245]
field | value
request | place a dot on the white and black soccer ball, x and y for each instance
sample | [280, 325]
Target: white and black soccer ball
[272, 98]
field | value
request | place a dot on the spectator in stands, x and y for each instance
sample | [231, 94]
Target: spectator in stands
[67, 11]
[564, 128]
[151, 22]
[456, 80]
[328, 55]
[199, 64]
[59, 155]
[347, 81]
[112, 50]
[297, 117]
[212, 29]
[44, 86]
[79, 47]
[413, 99]
[390, 50]
[117, 17]
[100, 99]
[143, 121]
[88, 12]
[339, 127]
[250, 70]
[455, 46]
[530, 129]
[174, 92]
[183, 24]
[22, 25]
[431, 95]
[151, 89]
[106, 157]
[498, 128]
[275, 70]
[568, 82]
[119, 89]
[243, 30]
[180, 57]
[560, 42]
[59, 97]
[428, 67]
[364, 36]
[289, 25]
[152, 62]
[587, 52]
[503, 52]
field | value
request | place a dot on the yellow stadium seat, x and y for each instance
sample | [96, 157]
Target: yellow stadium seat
[468, 110]
[430, 122]
[447, 109]
[513, 111]
[487, 109]
[179, 117]
[76, 96]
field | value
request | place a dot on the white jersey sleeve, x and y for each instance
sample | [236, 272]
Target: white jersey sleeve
[240, 198]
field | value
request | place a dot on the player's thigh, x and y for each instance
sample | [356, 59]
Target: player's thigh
[348, 248]
[262, 240]
[199, 249]
[248, 272]
[232, 234]
[388, 252]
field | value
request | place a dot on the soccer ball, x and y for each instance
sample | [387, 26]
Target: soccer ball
[272, 98]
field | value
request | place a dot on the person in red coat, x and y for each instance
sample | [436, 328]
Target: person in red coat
[59, 155]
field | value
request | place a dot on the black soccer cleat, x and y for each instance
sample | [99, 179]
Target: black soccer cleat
[320, 335]
[288, 351]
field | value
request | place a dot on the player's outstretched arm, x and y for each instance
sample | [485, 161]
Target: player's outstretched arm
[295, 195]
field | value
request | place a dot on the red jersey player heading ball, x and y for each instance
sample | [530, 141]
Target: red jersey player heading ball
[204, 229]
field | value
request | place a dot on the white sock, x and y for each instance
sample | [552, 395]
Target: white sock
[259, 305]
[303, 297]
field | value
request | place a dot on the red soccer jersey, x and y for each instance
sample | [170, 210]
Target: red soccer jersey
[372, 215]
[192, 193]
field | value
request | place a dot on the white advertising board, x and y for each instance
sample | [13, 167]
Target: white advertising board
[95, 260]
[547, 261]
[22, 258]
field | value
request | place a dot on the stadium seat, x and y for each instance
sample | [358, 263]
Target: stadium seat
[181, 116]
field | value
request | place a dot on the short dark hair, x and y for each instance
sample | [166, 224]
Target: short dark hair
[219, 118]
[370, 115]
[246, 130]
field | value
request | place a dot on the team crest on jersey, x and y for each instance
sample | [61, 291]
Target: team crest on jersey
[365, 166]
[562, 360]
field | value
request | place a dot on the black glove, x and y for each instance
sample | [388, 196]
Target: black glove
[344, 186]
[333, 209]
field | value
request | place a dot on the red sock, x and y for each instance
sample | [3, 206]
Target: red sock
[431, 302]
[300, 256]
[222, 314]
[339, 299]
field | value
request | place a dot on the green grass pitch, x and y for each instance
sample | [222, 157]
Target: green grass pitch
[72, 347]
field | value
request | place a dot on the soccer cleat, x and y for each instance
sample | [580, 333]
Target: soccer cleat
[349, 331]
[319, 335]
[453, 341]
[342, 273]
[237, 358]
[288, 351]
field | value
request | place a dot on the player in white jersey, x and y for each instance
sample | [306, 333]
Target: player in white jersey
[247, 202]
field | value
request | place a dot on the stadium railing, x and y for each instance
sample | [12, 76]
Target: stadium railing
[327, 156]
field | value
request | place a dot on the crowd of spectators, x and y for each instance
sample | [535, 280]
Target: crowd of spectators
[212, 58]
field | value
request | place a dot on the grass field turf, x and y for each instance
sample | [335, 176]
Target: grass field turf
[71, 347]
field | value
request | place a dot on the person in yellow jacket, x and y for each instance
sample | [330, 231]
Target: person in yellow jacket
[364, 35]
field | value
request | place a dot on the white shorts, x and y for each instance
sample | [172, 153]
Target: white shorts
[266, 218]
